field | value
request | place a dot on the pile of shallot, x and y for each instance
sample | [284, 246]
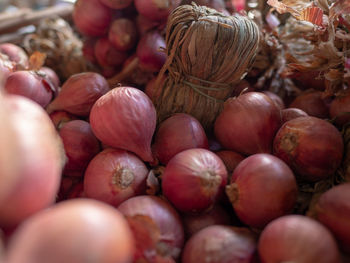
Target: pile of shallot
[88, 175]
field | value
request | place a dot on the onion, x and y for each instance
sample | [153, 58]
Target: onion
[114, 176]
[340, 109]
[51, 75]
[220, 244]
[117, 4]
[196, 222]
[152, 58]
[6, 68]
[16, 54]
[123, 34]
[107, 55]
[242, 87]
[79, 92]
[88, 49]
[194, 179]
[262, 188]
[292, 113]
[125, 118]
[59, 118]
[74, 231]
[177, 133]
[275, 98]
[312, 103]
[40, 162]
[312, 147]
[157, 228]
[80, 146]
[231, 159]
[145, 25]
[297, 238]
[77, 191]
[333, 211]
[31, 85]
[219, 5]
[309, 80]
[67, 184]
[157, 10]
[91, 17]
[261, 119]
[152, 90]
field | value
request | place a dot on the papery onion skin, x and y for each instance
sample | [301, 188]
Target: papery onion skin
[312, 147]
[194, 179]
[40, 162]
[79, 93]
[80, 146]
[340, 109]
[262, 188]
[312, 103]
[125, 118]
[177, 133]
[292, 113]
[31, 85]
[333, 211]
[248, 123]
[114, 176]
[297, 238]
[95, 25]
[123, 34]
[156, 10]
[220, 244]
[73, 231]
[193, 223]
[166, 219]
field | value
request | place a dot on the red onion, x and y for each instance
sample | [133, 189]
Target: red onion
[333, 211]
[123, 34]
[67, 184]
[125, 118]
[231, 159]
[340, 109]
[220, 244]
[309, 80]
[77, 191]
[177, 133]
[261, 119]
[40, 161]
[80, 145]
[194, 179]
[152, 58]
[312, 147]
[73, 231]
[312, 103]
[196, 222]
[79, 92]
[275, 98]
[157, 10]
[15, 53]
[145, 25]
[31, 85]
[107, 55]
[152, 90]
[157, 228]
[6, 68]
[91, 17]
[117, 4]
[262, 188]
[109, 72]
[219, 5]
[88, 49]
[51, 75]
[242, 87]
[292, 113]
[59, 118]
[297, 238]
[114, 176]
[214, 145]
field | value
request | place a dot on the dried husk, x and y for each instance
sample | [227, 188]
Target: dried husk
[208, 53]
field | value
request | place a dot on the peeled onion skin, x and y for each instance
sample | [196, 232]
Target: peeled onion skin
[220, 244]
[40, 162]
[255, 201]
[178, 133]
[164, 234]
[73, 231]
[297, 238]
[194, 180]
[125, 118]
[79, 92]
[261, 119]
[312, 147]
[333, 211]
[114, 176]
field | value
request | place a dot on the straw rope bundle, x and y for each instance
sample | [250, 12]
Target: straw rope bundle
[208, 53]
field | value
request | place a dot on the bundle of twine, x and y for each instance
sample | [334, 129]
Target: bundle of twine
[207, 54]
